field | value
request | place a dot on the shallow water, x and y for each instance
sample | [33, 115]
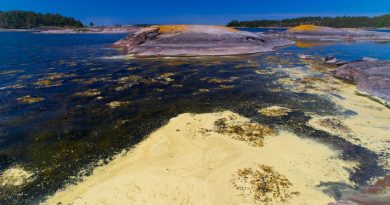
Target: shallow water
[91, 105]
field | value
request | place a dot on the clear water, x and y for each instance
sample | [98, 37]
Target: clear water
[69, 130]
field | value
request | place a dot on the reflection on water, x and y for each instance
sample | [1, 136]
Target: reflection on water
[66, 107]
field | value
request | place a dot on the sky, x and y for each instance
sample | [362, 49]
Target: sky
[109, 12]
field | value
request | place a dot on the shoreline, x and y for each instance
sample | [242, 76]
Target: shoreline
[87, 30]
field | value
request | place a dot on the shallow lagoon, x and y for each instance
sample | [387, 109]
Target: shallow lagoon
[69, 103]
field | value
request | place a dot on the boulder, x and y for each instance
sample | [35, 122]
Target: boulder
[320, 33]
[333, 61]
[197, 40]
[371, 77]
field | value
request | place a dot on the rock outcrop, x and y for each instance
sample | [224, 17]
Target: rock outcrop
[371, 77]
[197, 40]
[320, 33]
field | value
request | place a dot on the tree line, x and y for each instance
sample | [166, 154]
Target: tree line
[28, 19]
[336, 22]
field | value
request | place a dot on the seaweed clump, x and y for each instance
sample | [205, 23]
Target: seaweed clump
[88, 93]
[252, 133]
[275, 111]
[267, 185]
[116, 104]
[30, 100]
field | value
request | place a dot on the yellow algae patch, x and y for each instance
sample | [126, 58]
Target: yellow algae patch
[219, 80]
[15, 176]
[116, 104]
[30, 100]
[88, 93]
[172, 28]
[274, 111]
[309, 44]
[188, 162]
[163, 29]
[46, 83]
[304, 28]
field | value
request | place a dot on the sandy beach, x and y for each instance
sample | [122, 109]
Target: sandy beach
[188, 162]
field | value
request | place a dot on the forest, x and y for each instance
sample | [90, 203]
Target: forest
[28, 20]
[336, 22]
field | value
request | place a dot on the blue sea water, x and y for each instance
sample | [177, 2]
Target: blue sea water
[345, 50]
[70, 129]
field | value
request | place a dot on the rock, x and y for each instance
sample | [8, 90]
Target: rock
[333, 60]
[315, 33]
[371, 77]
[369, 59]
[138, 38]
[195, 40]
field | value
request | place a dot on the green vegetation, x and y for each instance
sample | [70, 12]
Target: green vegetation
[336, 22]
[28, 19]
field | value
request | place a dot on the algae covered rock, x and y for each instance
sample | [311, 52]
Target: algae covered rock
[197, 40]
[321, 33]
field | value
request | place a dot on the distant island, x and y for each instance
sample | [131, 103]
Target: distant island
[29, 20]
[335, 22]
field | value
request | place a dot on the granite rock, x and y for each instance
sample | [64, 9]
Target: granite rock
[197, 40]
[371, 77]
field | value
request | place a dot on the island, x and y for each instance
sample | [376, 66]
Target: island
[197, 40]
[322, 33]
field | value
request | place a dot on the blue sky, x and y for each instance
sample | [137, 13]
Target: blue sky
[196, 11]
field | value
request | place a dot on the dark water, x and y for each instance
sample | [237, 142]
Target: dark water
[69, 130]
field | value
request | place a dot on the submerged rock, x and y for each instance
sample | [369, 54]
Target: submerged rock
[311, 32]
[371, 77]
[195, 40]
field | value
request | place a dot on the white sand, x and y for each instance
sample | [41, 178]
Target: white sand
[181, 163]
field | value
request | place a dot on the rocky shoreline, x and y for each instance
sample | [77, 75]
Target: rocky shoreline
[86, 30]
